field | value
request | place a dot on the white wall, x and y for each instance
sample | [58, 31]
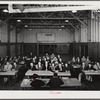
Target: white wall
[30, 36]
[83, 33]
[3, 32]
[95, 27]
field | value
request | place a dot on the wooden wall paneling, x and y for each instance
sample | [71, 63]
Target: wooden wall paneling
[28, 48]
[18, 49]
[3, 50]
[12, 49]
[99, 52]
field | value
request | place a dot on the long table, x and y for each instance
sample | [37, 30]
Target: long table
[90, 72]
[46, 73]
[69, 82]
[9, 74]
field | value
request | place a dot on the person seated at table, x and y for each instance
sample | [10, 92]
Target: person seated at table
[55, 82]
[39, 65]
[60, 60]
[7, 67]
[83, 66]
[32, 66]
[52, 55]
[90, 67]
[65, 67]
[14, 66]
[73, 60]
[31, 55]
[36, 82]
[95, 66]
[52, 67]
[58, 67]
[82, 77]
[78, 61]
[83, 59]
[87, 61]
[74, 72]
[46, 65]
[98, 65]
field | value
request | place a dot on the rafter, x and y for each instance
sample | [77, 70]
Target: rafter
[78, 19]
[73, 25]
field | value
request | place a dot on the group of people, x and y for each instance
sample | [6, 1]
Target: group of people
[54, 83]
[85, 63]
[51, 62]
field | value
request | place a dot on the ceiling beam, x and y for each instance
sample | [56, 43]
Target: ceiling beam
[51, 9]
[42, 24]
[78, 19]
[73, 26]
[55, 18]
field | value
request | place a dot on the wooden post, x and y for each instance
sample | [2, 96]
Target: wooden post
[8, 38]
[16, 51]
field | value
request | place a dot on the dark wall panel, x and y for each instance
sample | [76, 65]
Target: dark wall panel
[3, 50]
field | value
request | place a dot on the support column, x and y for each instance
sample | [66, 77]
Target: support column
[16, 50]
[37, 46]
[8, 38]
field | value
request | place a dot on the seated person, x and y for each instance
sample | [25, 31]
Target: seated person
[59, 67]
[78, 61]
[73, 61]
[7, 67]
[32, 66]
[36, 82]
[39, 65]
[83, 66]
[90, 67]
[65, 67]
[98, 65]
[55, 82]
[87, 61]
[83, 59]
[46, 65]
[82, 77]
[74, 72]
[15, 66]
[52, 67]
[95, 66]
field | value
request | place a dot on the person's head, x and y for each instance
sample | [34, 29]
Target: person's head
[53, 64]
[35, 76]
[31, 53]
[66, 65]
[55, 75]
[90, 65]
[14, 63]
[97, 63]
[60, 59]
[31, 64]
[7, 63]
[60, 65]
[58, 56]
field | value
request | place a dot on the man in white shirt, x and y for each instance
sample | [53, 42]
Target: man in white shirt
[7, 67]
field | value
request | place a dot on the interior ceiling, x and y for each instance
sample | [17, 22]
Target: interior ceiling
[44, 19]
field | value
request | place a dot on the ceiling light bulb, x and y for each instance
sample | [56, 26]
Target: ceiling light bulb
[5, 10]
[74, 11]
[62, 26]
[66, 20]
[18, 20]
[26, 25]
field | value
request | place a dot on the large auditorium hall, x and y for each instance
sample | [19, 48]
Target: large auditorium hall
[50, 45]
